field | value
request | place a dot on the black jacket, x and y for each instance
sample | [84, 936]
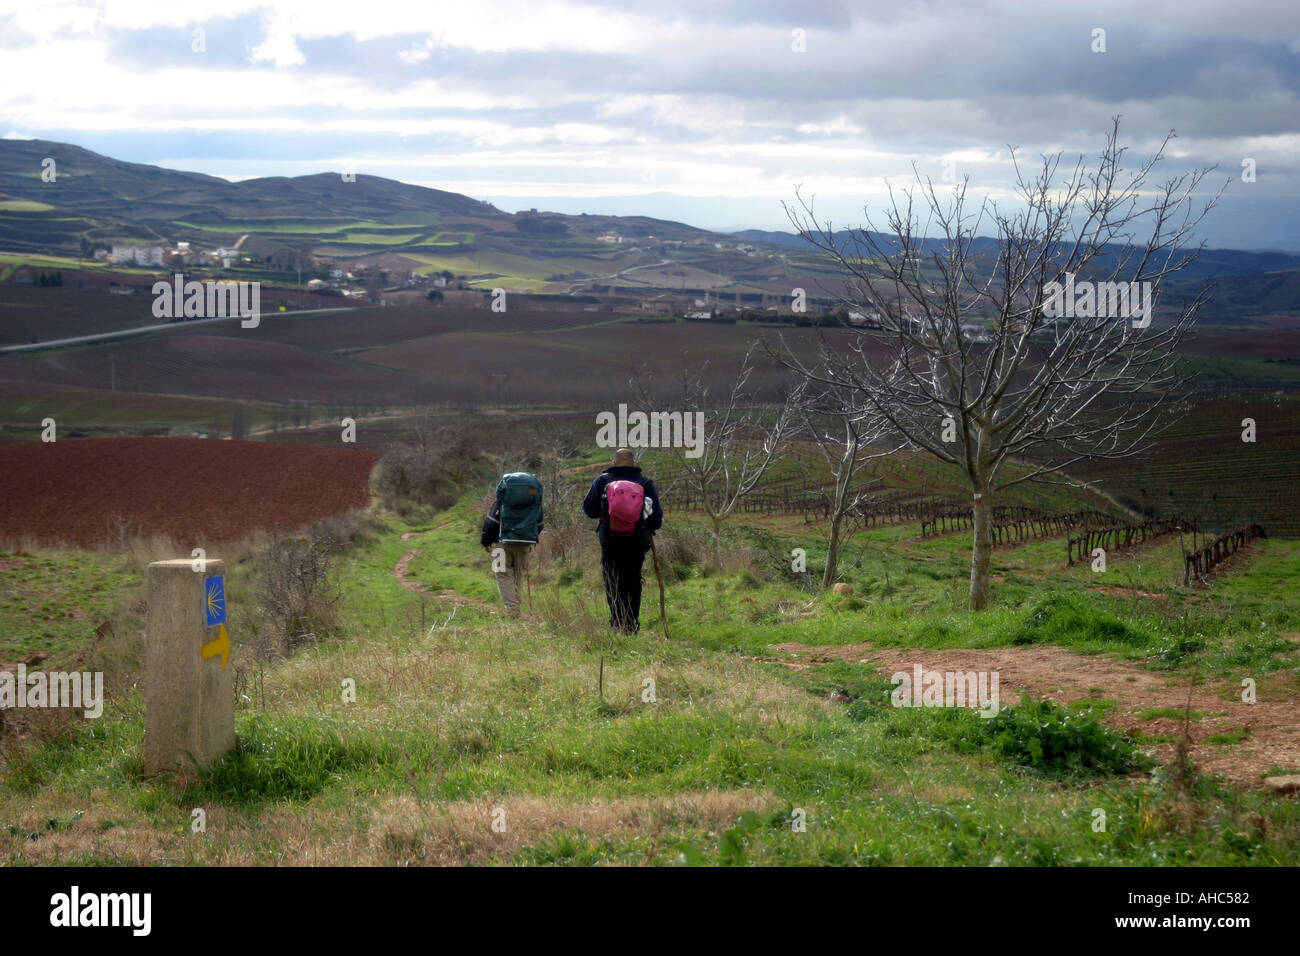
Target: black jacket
[594, 504]
[491, 532]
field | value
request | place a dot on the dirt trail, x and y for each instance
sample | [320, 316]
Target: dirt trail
[401, 569]
[1062, 676]
[399, 572]
[446, 595]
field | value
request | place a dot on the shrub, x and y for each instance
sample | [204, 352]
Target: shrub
[682, 548]
[409, 475]
[341, 531]
[427, 471]
[1068, 619]
[296, 587]
[568, 532]
[1058, 742]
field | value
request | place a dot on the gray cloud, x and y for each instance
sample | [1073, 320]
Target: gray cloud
[879, 86]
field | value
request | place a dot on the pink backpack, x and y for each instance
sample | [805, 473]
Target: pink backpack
[624, 501]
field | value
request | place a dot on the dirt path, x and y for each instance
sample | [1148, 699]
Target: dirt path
[401, 571]
[446, 595]
[360, 419]
[1274, 725]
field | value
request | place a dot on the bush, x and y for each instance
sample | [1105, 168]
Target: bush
[568, 534]
[1068, 620]
[296, 587]
[1058, 742]
[682, 548]
[341, 531]
[426, 472]
[408, 476]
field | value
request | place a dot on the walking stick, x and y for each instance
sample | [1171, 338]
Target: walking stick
[663, 615]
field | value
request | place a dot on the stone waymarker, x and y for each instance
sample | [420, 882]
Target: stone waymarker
[189, 701]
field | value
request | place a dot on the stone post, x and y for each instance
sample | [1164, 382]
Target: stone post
[189, 696]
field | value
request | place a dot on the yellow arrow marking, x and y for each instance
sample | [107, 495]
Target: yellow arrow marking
[219, 646]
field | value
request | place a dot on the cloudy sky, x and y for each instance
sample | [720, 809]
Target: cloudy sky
[710, 113]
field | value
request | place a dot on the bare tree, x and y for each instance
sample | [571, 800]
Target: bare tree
[739, 439]
[983, 356]
[843, 426]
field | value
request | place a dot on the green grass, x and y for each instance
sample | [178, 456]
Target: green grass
[323, 227]
[1058, 742]
[51, 601]
[448, 239]
[23, 205]
[378, 239]
[472, 263]
[520, 271]
[1170, 713]
[103, 414]
[15, 259]
[1234, 736]
[460, 712]
[1240, 371]
[65, 262]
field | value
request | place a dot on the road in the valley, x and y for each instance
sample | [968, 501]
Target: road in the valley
[618, 275]
[141, 330]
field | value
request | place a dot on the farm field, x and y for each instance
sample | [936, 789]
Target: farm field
[1272, 339]
[518, 270]
[215, 365]
[370, 328]
[448, 366]
[86, 410]
[402, 356]
[64, 262]
[1203, 470]
[183, 488]
[313, 226]
[84, 305]
[33, 315]
[542, 365]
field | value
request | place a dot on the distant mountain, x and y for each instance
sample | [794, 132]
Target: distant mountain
[96, 199]
[1210, 263]
[1237, 296]
[790, 240]
[772, 237]
[95, 196]
[89, 184]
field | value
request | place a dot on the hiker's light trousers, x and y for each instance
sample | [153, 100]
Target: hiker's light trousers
[510, 582]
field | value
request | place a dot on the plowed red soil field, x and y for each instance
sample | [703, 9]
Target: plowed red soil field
[198, 491]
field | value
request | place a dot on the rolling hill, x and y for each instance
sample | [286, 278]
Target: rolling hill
[98, 199]
[155, 202]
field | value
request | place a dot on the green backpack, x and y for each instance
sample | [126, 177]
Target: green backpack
[520, 495]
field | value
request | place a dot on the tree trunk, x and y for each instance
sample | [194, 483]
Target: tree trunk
[717, 541]
[832, 554]
[981, 552]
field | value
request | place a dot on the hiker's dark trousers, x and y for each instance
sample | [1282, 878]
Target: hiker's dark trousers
[620, 561]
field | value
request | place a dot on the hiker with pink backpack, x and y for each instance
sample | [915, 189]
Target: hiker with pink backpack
[627, 505]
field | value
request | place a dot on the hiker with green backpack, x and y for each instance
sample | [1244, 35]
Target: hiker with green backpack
[510, 529]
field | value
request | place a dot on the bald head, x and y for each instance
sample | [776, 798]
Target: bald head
[624, 457]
